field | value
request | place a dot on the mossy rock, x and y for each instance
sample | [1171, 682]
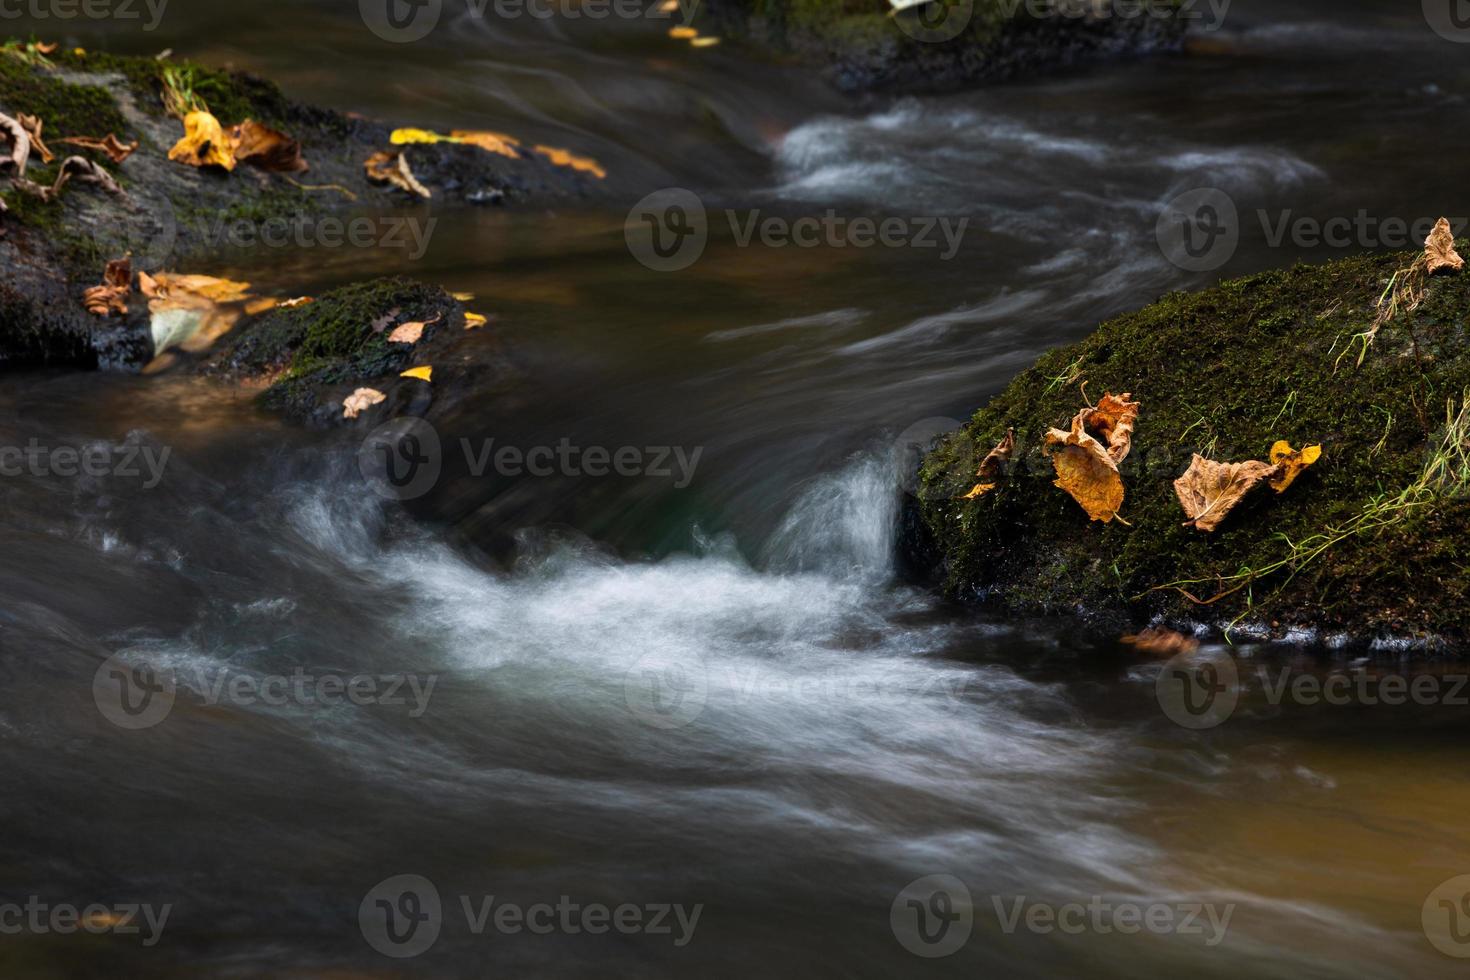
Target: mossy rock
[958, 42]
[1225, 373]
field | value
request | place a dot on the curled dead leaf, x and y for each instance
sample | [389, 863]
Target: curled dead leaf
[360, 401]
[1160, 642]
[473, 321]
[1087, 468]
[19, 152]
[33, 126]
[190, 311]
[112, 296]
[392, 168]
[993, 466]
[291, 304]
[1289, 463]
[1439, 249]
[79, 169]
[204, 143]
[1208, 490]
[117, 151]
[260, 146]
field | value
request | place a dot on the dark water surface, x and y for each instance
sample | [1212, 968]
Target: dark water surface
[840, 735]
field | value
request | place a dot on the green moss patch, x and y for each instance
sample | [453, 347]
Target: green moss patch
[68, 110]
[1225, 373]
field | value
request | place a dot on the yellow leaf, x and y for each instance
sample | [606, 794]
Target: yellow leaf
[463, 297]
[704, 42]
[980, 490]
[1289, 463]
[425, 373]
[1086, 468]
[473, 320]
[1209, 490]
[1439, 249]
[402, 137]
[204, 143]
[682, 33]
[360, 401]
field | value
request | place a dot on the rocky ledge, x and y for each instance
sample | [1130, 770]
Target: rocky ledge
[942, 44]
[1366, 544]
[165, 213]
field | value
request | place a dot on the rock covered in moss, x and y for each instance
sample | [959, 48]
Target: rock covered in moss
[862, 48]
[1368, 541]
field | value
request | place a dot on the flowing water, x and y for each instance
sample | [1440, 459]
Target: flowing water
[705, 687]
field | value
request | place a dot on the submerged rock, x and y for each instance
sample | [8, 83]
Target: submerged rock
[943, 45]
[1369, 541]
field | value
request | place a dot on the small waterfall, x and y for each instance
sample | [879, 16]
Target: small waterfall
[842, 525]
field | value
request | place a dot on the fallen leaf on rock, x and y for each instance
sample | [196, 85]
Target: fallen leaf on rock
[1113, 421]
[72, 168]
[498, 143]
[360, 401]
[117, 151]
[993, 465]
[704, 42]
[683, 33]
[260, 146]
[409, 333]
[425, 373]
[473, 321]
[565, 158]
[19, 153]
[147, 285]
[1208, 490]
[190, 311]
[1162, 643]
[1086, 468]
[33, 126]
[463, 297]
[393, 168]
[1439, 249]
[112, 295]
[204, 143]
[291, 304]
[1290, 462]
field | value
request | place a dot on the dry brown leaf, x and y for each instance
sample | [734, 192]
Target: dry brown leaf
[393, 168]
[1163, 643]
[19, 153]
[506, 146]
[992, 466]
[1209, 490]
[1086, 468]
[291, 304]
[360, 401]
[1439, 249]
[1290, 462]
[147, 285]
[566, 158]
[117, 151]
[474, 321]
[260, 146]
[409, 333]
[1113, 421]
[72, 168]
[33, 126]
[204, 143]
[192, 312]
[112, 296]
